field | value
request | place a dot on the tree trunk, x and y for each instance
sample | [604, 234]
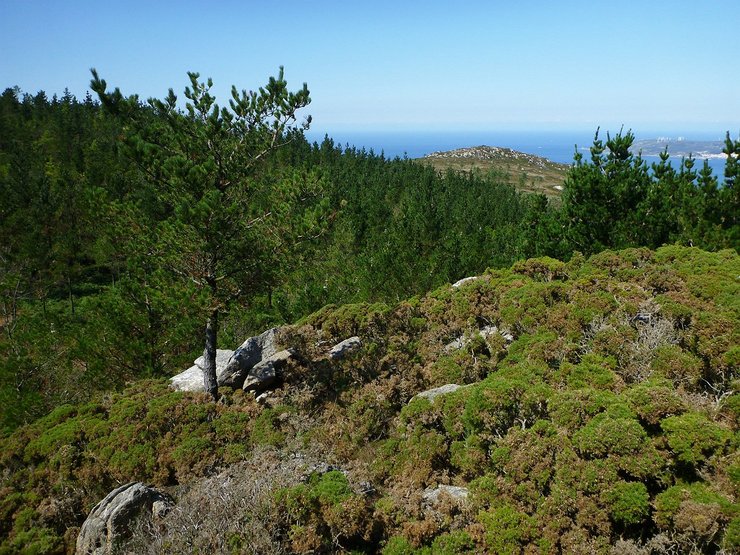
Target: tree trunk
[209, 356]
[71, 296]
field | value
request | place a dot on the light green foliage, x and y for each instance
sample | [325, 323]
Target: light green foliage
[629, 502]
[506, 529]
[693, 438]
[399, 545]
[606, 434]
[453, 543]
[654, 400]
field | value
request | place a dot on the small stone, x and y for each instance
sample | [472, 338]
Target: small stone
[343, 348]
[432, 394]
[463, 281]
[431, 496]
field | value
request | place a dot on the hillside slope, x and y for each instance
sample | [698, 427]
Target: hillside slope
[591, 407]
[527, 172]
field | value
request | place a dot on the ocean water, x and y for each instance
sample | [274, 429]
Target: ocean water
[558, 146]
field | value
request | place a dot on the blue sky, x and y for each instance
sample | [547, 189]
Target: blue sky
[404, 65]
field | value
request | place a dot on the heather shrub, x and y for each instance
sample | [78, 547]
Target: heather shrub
[693, 438]
[506, 530]
[453, 543]
[324, 513]
[679, 366]
[571, 409]
[653, 401]
[592, 371]
[628, 502]
[696, 516]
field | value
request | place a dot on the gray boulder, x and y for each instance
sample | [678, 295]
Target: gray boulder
[192, 378]
[431, 496]
[432, 394]
[109, 523]
[249, 353]
[463, 281]
[343, 348]
[267, 372]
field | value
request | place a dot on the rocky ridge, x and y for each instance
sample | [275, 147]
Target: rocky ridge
[485, 152]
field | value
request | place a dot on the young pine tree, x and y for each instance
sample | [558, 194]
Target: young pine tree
[226, 221]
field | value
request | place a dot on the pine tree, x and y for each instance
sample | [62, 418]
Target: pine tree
[226, 221]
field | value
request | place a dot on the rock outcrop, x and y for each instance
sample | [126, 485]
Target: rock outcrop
[463, 281]
[484, 332]
[192, 378]
[432, 496]
[344, 348]
[110, 522]
[252, 361]
[247, 355]
[432, 394]
[267, 372]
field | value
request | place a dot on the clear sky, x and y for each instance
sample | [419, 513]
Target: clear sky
[403, 65]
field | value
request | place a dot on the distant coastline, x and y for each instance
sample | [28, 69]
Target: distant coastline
[681, 147]
[556, 146]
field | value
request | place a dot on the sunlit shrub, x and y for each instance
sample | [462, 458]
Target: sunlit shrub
[693, 438]
[506, 529]
[628, 502]
[653, 401]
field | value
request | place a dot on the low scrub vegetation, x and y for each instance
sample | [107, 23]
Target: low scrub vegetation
[597, 413]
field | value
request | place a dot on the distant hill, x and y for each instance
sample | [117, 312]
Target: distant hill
[527, 172]
[679, 147]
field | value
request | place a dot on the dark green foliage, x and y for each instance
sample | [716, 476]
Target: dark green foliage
[614, 200]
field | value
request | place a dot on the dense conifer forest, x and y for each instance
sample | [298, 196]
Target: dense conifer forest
[600, 416]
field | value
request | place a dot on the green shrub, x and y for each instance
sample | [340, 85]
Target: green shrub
[693, 438]
[679, 366]
[592, 371]
[469, 457]
[731, 540]
[571, 409]
[398, 545]
[266, 427]
[329, 488]
[694, 510]
[653, 401]
[506, 530]
[323, 510]
[606, 435]
[628, 502]
[453, 543]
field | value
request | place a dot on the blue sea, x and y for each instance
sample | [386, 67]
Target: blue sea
[558, 146]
